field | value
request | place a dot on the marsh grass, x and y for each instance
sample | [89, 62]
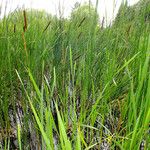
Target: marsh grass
[71, 84]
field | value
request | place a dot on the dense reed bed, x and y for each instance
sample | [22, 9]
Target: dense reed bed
[74, 84]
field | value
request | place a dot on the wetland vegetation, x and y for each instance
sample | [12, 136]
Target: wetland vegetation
[74, 83]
